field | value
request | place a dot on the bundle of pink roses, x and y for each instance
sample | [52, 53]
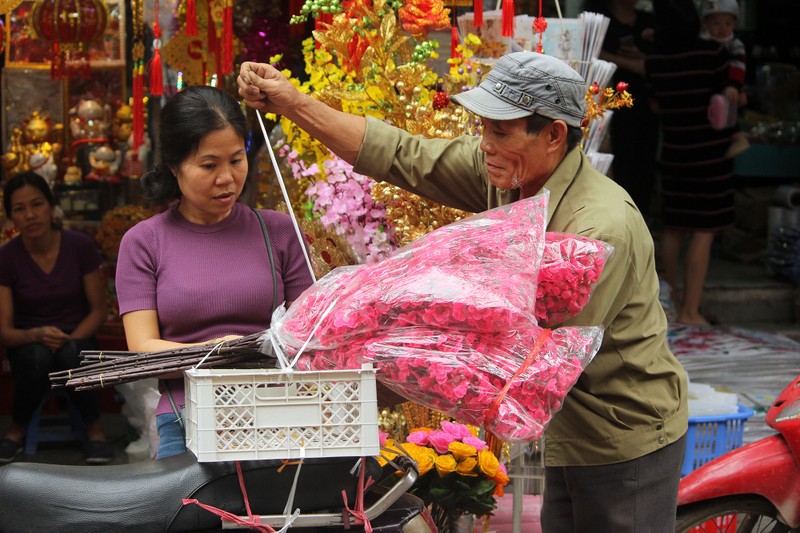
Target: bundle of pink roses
[449, 322]
[570, 268]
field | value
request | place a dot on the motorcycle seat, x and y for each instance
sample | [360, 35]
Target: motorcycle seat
[147, 496]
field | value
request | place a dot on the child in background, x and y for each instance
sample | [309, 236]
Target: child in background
[719, 20]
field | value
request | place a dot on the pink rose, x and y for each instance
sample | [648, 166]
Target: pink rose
[440, 440]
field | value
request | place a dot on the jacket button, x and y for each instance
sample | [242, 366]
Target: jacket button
[659, 426]
[661, 440]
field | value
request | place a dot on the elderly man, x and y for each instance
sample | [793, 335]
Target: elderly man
[614, 452]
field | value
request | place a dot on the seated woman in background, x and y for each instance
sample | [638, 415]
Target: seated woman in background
[52, 301]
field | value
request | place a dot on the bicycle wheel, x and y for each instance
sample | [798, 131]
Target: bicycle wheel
[741, 514]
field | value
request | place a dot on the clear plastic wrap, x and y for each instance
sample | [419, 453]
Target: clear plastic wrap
[569, 271]
[510, 382]
[449, 322]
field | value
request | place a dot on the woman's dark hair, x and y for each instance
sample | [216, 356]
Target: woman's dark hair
[21, 180]
[537, 123]
[184, 120]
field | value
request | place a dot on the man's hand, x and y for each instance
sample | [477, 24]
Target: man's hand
[265, 89]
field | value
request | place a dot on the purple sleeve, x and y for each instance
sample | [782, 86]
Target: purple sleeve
[136, 270]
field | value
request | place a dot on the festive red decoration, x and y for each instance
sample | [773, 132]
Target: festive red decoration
[156, 77]
[137, 81]
[507, 18]
[191, 18]
[227, 38]
[477, 8]
[138, 98]
[622, 87]
[440, 100]
[418, 17]
[539, 26]
[454, 42]
[69, 24]
[213, 44]
[594, 88]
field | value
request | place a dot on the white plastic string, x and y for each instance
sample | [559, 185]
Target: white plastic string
[287, 510]
[313, 331]
[216, 346]
[286, 196]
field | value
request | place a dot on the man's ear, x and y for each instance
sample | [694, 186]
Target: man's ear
[557, 133]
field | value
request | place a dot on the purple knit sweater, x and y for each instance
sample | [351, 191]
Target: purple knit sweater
[207, 281]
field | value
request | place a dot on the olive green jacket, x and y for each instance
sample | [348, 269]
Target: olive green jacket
[632, 398]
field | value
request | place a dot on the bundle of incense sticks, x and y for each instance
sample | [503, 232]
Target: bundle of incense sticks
[100, 369]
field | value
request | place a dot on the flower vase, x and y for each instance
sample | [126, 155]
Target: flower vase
[464, 523]
[447, 522]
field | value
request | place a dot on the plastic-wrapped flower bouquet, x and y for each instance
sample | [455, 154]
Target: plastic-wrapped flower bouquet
[449, 321]
[458, 474]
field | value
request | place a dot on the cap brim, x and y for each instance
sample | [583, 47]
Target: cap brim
[484, 104]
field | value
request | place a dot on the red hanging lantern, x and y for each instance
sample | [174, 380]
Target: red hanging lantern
[70, 24]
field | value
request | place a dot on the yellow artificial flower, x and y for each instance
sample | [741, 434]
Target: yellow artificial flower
[488, 463]
[461, 451]
[424, 456]
[467, 467]
[445, 464]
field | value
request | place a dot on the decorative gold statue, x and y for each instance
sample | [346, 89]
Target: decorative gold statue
[38, 140]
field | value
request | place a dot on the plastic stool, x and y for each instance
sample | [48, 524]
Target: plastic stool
[66, 427]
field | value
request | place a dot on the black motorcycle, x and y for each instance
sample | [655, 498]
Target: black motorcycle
[180, 494]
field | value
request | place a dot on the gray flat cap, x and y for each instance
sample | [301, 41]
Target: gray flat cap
[524, 83]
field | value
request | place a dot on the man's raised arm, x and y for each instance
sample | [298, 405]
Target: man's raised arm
[266, 90]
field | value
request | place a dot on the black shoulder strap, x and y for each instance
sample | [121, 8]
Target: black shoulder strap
[271, 261]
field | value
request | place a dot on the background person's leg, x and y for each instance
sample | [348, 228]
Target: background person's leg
[698, 254]
[31, 365]
[87, 402]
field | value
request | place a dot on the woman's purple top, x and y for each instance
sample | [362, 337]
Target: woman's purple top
[207, 281]
[49, 299]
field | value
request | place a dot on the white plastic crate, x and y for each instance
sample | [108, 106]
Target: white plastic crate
[248, 414]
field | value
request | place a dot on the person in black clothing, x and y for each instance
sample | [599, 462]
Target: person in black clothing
[633, 130]
[696, 176]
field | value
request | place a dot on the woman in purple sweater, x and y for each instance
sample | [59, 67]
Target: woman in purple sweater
[52, 301]
[200, 271]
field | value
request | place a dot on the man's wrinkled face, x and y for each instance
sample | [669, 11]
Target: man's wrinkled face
[514, 157]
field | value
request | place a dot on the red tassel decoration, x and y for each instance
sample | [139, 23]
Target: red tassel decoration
[154, 68]
[477, 8]
[507, 18]
[227, 38]
[454, 42]
[191, 18]
[213, 47]
[138, 104]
